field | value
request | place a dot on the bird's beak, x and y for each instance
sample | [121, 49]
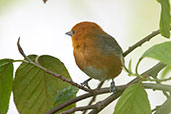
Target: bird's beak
[69, 33]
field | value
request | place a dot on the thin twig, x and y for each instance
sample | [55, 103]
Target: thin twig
[94, 97]
[111, 98]
[50, 72]
[157, 86]
[102, 104]
[119, 89]
[22, 52]
[74, 109]
[106, 90]
[139, 43]
[69, 102]
[82, 97]
[164, 92]
[65, 79]
[160, 80]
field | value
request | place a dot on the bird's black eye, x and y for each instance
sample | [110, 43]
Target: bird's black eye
[73, 32]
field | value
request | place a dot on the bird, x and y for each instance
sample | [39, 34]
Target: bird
[96, 52]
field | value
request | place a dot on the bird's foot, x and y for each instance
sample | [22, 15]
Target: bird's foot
[85, 83]
[112, 87]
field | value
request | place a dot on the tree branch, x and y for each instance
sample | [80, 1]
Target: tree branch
[156, 68]
[160, 80]
[109, 99]
[74, 109]
[84, 96]
[94, 97]
[119, 89]
[139, 43]
[102, 104]
[157, 86]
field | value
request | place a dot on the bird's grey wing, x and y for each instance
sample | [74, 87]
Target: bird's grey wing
[109, 43]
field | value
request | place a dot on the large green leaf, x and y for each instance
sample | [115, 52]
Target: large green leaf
[35, 90]
[6, 79]
[161, 52]
[165, 18]
[133, 101]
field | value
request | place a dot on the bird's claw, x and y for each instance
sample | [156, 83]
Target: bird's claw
[112, 87]
[85, 83]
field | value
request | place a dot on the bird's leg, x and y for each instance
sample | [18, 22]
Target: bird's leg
[85, 83]
[112, 87]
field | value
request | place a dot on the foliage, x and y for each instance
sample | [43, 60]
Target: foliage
[133, 101]
[165, 18]
[42, 84]
[35, 90]
[66, 94]
[6, 78]
[160, 52]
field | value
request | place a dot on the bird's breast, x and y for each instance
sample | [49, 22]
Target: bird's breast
[96, 64]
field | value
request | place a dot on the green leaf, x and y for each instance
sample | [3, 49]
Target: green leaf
[165, 108]
[35, 90]
[161, 52]
[166, 71]
[133, 101]
[6, 79]
[66, 94]
[165, 18]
